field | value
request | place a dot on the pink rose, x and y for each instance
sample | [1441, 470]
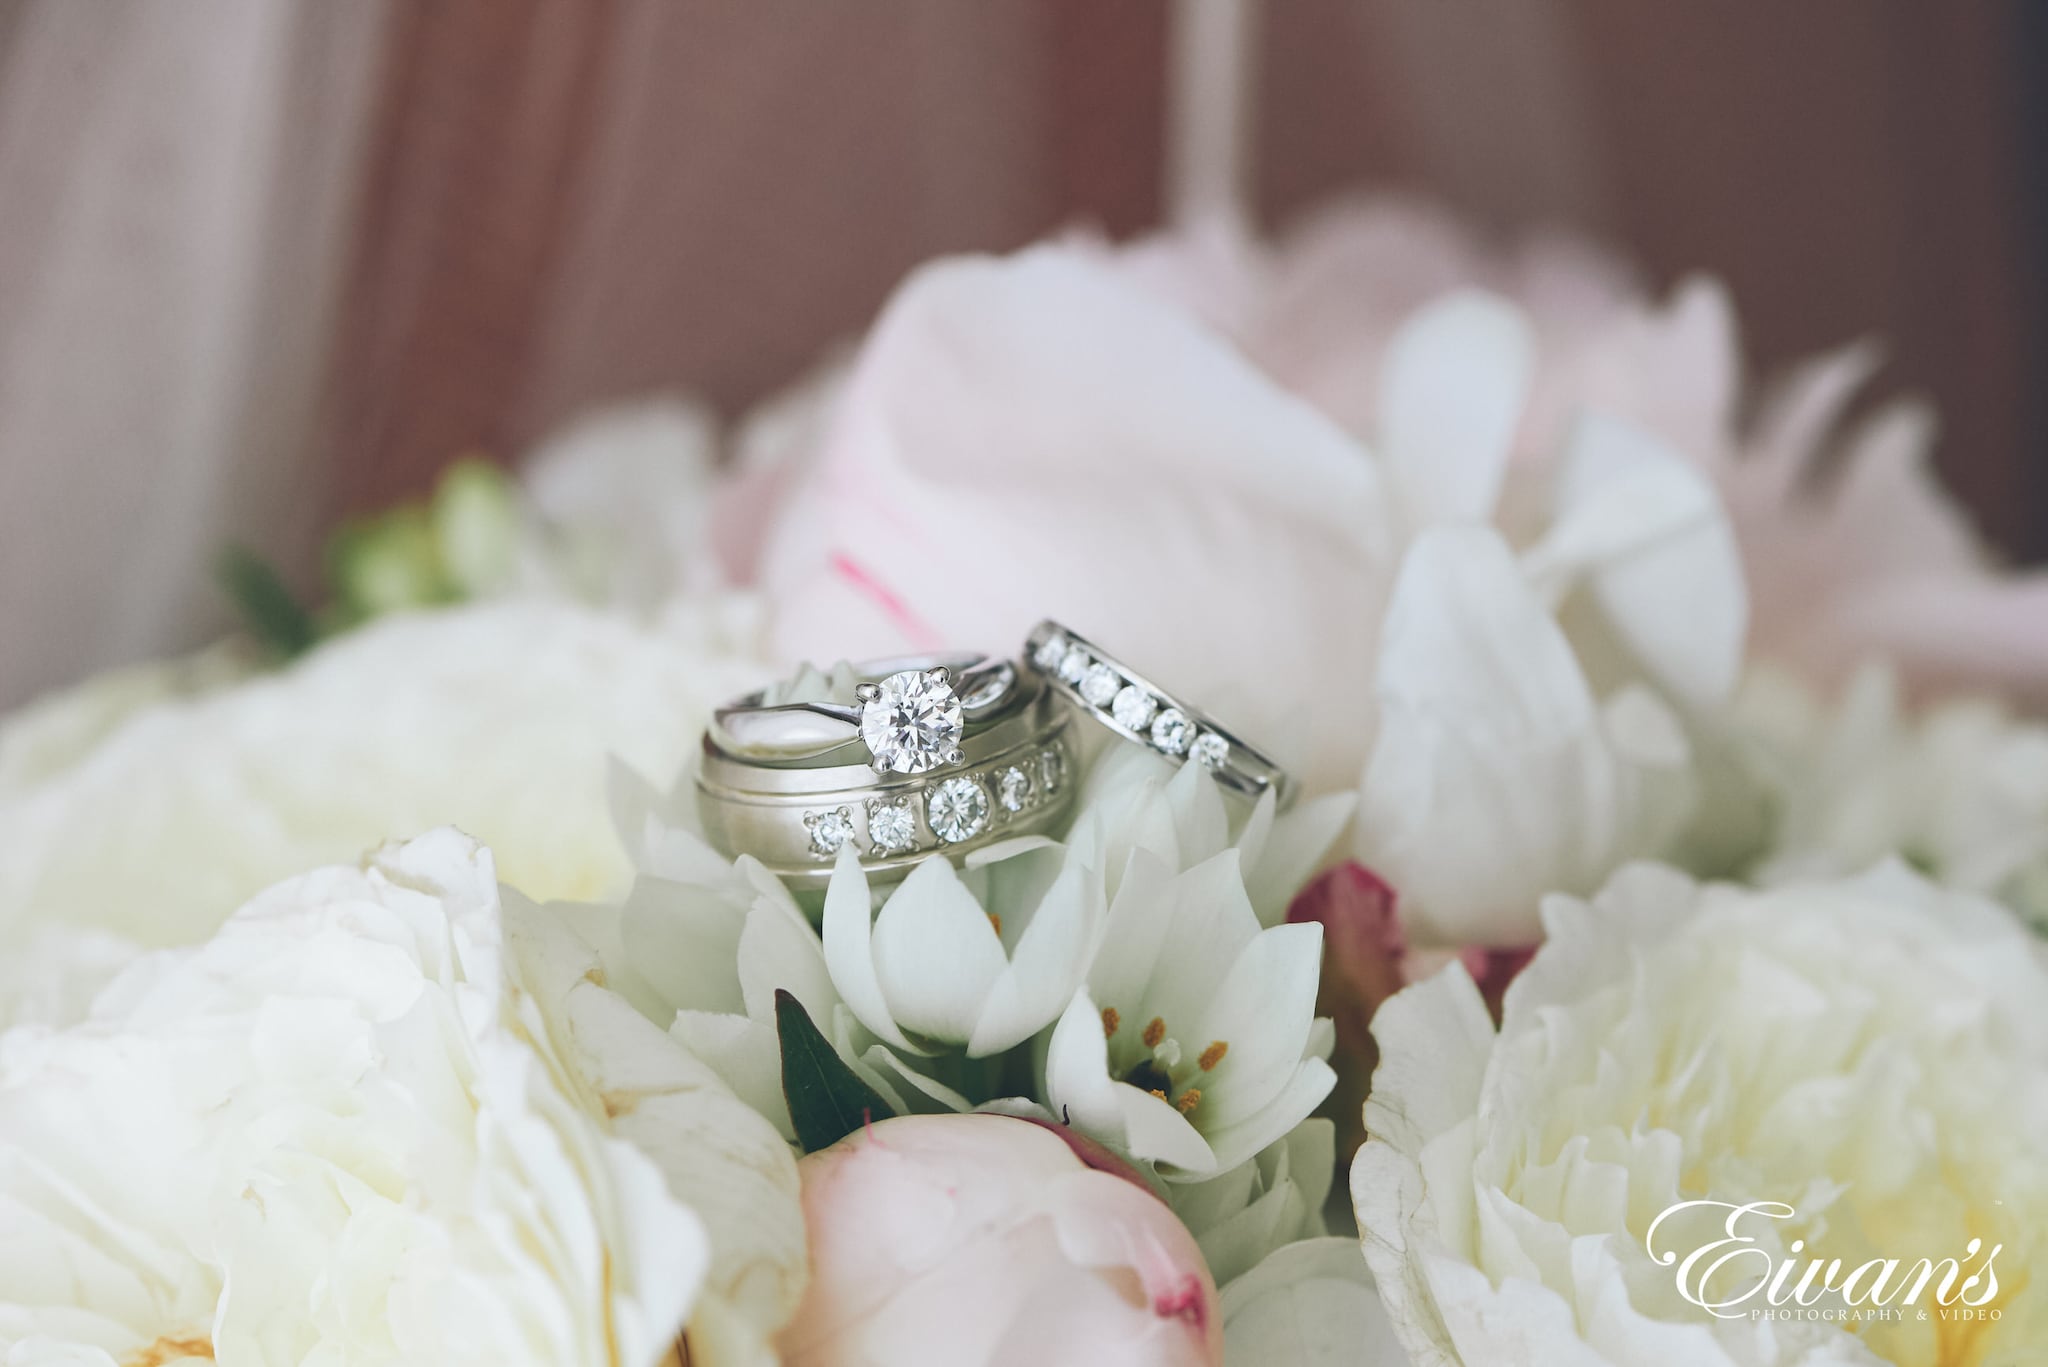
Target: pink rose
[981, 1239]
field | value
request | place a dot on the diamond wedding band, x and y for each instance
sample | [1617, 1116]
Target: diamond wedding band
[934, 754]
[1138, 710]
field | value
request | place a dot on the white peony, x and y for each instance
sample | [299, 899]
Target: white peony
[496, 718]
[344, 1129]
[1871, 1053]
[1959, 788]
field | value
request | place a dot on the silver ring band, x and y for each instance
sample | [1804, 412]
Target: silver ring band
[1017, 777]
[1139, 710]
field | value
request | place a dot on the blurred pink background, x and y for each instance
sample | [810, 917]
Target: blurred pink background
[264, 263]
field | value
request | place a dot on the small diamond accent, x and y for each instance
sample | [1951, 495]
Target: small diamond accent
[1074, 665]
[1212, 750]
[892, 825]
[913, 723]
[1100, 684]
[1172, 732]
[1134, 707]
[1052, 770]
[1013, 789]
[957, 810]
[829, 830]
[1050, 653]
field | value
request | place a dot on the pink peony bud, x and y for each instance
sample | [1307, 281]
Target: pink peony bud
[972, 1239]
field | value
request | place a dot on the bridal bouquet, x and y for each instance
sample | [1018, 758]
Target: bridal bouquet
[1512, 844]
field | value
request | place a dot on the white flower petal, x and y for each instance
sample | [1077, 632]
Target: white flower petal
[1046, 966]
[1451, 393]
[1305, 1087]
[1310, 1304]
[849, 950]
[936, 954]
[1645, 531]
[1492, 781]
[1154, 1129]
[1078, 1087]
[1213, 926]
[1262, 1013]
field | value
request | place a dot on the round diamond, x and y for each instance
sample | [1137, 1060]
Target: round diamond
[1134, 707]
[1050, 652]
[1211, 750]
[957, 810]
[1052, 770]
[912, 724]
[1013, 789]
[1100, 684]
[829, 830]
[1074, 665]
[892, 826]
[1172, 732]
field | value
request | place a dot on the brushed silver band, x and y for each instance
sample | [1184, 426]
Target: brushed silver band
[1018, 776]
[1110, 693]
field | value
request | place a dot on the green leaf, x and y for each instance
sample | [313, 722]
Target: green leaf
[267, 608]
[827, 1101]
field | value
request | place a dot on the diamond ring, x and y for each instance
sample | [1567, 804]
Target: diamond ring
[1010, 772]
[1139, 710]
[909, 714]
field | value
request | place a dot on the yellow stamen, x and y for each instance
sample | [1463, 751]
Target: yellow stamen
[1155, 1032]
[1110, 1021]
[1213, 1055]
[1161, 1095]
[1189, 1099]
[996, 921]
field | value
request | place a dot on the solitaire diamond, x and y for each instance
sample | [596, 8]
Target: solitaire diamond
[1172, 732]
[892, 825]
[1013, 789]
[957, 810]
[1134, 707]
[911, 722]
[1212, 750]
[829, 830]
[1100, 684]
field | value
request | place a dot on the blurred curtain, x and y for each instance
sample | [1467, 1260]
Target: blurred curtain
[264, 263]
[175, 191]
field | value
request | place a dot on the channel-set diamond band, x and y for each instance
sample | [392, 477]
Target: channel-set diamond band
[1010, 772]
[1139, 710]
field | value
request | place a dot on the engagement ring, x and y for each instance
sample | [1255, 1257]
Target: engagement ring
[933, 755]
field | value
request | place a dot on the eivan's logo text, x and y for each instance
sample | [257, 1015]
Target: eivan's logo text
[1880, 1282]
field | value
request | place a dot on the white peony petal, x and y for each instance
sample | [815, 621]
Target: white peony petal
[1645, 531]
[1451, 394]
[1492, 781]
[370, 1133]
